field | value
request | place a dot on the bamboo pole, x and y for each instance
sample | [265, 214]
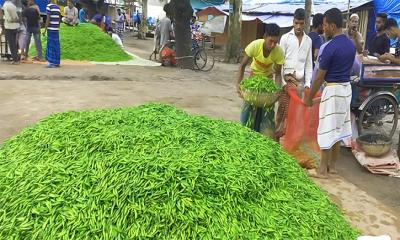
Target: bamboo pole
[348, 14]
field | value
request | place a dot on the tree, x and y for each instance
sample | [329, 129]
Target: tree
[181, 12]
[235, 31]
[307, 8]
[143, 23]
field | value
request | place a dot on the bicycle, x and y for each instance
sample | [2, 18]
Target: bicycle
[201, 60]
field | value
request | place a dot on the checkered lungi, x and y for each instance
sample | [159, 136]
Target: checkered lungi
[120, 33]
[282, 112]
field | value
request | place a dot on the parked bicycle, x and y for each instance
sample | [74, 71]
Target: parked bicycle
[202, 60]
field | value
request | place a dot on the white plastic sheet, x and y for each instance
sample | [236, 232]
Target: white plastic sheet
[215, 25]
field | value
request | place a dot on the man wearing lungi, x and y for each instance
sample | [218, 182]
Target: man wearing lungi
[267, 59]
[335, 65]
[52, 28]
[120, 20]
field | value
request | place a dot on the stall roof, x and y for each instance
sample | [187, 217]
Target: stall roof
[289, 8]
[282, 20]
[211, 11]
[281, 11]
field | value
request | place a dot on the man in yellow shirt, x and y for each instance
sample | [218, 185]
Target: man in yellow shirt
[267, 60]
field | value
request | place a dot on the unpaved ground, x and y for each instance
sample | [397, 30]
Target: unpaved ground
[30, 92]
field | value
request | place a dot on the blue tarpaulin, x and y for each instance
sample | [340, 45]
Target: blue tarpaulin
[391, 7]
[200, 4]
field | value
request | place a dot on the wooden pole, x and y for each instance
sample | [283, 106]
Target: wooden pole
[307, 8]
[348, 14]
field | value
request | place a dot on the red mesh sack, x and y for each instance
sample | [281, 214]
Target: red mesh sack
[168, 56]
[300, 139]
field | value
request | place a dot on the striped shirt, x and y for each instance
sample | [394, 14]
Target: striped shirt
[53, 11]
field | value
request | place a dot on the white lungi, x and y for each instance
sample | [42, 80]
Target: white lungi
[334, 115]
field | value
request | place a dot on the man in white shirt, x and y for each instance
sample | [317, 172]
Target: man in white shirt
[297, 70]
[11, 26]
[70, 14]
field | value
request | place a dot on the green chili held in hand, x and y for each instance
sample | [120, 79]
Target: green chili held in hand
[259, 84]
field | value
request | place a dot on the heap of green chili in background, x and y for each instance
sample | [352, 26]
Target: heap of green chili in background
[86, 42]
[155, 172]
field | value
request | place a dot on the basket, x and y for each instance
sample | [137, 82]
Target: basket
[262, 99]
[374, 145]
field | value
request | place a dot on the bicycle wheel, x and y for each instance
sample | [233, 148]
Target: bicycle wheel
[210, 62]
[200, 59]
[380, 115]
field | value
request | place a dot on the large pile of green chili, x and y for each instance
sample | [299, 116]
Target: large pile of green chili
[86, 42]
[155, 172]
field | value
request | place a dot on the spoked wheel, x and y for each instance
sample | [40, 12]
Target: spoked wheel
[380, 115]
[210, 62]
[200, 59]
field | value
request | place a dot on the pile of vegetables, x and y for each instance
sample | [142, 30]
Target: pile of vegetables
[86, 42]
[155, 172]
[259, 84]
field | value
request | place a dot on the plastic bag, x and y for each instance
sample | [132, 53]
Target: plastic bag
[300, 138]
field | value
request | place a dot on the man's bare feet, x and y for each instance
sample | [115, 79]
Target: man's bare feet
[332, 171]
[315, 174]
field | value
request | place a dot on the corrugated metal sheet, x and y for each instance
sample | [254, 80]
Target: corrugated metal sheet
[287, 7]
